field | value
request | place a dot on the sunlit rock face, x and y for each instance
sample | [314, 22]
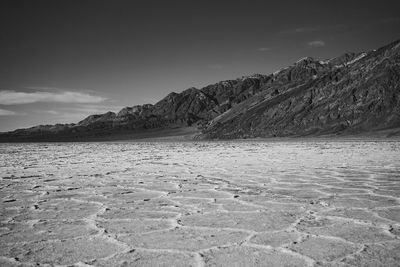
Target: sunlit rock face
[350, 94]
[226, 203]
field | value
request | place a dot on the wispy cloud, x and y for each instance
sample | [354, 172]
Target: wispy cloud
[58, 89]
[48, 112]
[264, 49]
[10, 97]
[316, 43]
[4, 112]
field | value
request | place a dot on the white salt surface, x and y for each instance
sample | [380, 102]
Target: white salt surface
[252, 203]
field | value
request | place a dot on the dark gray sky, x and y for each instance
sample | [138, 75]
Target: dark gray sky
[63, 60]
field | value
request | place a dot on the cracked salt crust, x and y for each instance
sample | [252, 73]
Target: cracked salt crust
[296, 203]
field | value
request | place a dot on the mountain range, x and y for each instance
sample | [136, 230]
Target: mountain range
[355, 93]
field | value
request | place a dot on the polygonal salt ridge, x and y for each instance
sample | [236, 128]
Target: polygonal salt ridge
[156, 204]
[237, 205]
[277, 238]
[347, 230]
[149, 257]
[375, 255]
[326, 249]
[350, 202]
[204, 193]
[359, 215]
[310, 220]
[132, 213]
[135, 226]
[253, 255]
[389, 213]
[241, 221]
[50, 230]
[190, 239]
[136, 195]
[67, 252]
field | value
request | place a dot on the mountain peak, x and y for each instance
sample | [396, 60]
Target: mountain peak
[351, 93]
[305, 60]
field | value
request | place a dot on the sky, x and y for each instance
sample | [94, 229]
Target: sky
[61, 61]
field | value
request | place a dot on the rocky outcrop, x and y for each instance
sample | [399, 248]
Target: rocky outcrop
[352, 93]
[314, 97]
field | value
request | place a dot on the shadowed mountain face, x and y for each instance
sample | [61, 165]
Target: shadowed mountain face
[353, 93]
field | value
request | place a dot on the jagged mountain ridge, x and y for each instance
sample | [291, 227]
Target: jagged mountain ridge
[190, 107]
[351, 93]
[355, 96]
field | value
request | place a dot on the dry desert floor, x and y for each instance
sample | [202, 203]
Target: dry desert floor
[253, 203]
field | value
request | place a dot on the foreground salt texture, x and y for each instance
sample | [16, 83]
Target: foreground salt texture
[294, 203]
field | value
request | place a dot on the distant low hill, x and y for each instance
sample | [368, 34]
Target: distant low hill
[351, 94]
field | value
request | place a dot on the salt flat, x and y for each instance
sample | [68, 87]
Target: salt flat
[253, 203]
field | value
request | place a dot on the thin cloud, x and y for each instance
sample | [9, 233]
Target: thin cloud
[48, 112]
[58, 89]
[4, 112]
[316, 43]
[13, 97]
[264, 49]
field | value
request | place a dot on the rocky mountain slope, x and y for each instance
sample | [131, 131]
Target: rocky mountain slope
[353, 93]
